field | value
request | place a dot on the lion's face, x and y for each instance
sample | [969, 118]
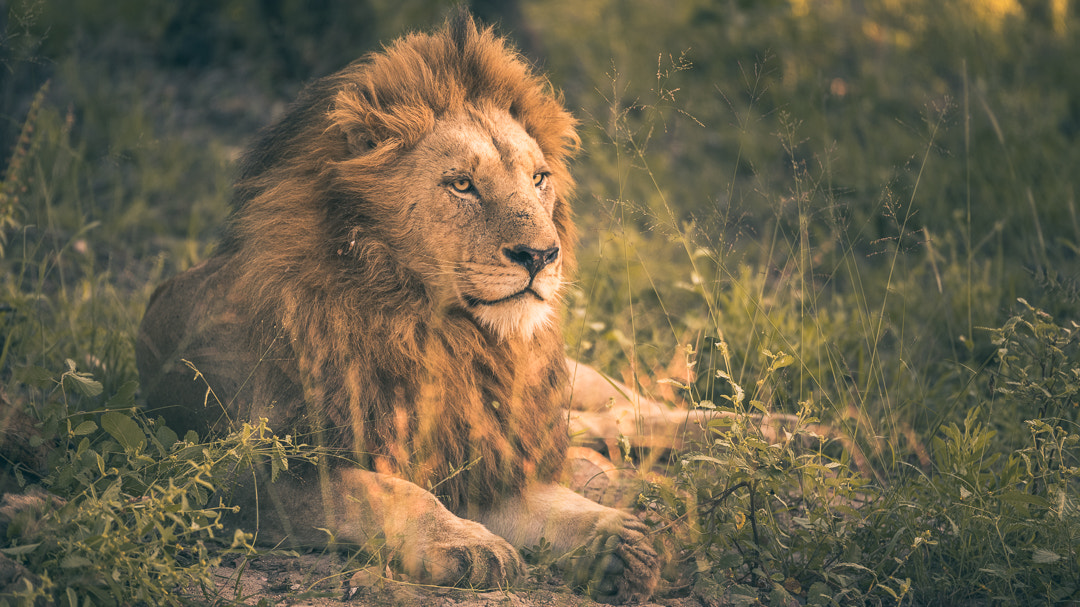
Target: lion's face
[480, 199]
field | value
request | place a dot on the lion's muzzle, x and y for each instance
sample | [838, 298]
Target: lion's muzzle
[533, 260]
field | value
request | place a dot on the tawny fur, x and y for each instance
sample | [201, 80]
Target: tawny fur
[332, 309]
[312, 253]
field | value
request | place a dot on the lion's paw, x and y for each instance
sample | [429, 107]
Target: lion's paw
[617, 564]
[464, 554]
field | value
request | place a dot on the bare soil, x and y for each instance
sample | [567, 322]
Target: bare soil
[335, 578]
[326, 580]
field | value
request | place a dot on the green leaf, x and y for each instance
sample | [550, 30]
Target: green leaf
[17, 550]
[1019, 497]
[36, 376]
[721, 421]
[73, 560]
[83, 383]
[705, 458]
[997, 571]
[278, 463]
[743, 595]
[124, 397]
[84, 428]
[728, 560]
[819, 594]
[782, 360]
[123, 429]
[1042, 557]
[166, 436]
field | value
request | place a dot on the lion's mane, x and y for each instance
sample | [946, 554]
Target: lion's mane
[311, 258]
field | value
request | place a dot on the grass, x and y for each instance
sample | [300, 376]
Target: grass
[860, 214]
[943, 511]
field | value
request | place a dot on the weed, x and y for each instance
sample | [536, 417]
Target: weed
[925, 462]
[14, 181]
[135, 511]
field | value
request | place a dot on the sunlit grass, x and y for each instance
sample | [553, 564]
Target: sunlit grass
[881, 328]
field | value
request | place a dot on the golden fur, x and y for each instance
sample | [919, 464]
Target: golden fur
[355, 304]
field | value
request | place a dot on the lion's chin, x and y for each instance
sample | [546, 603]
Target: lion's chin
[519, 315]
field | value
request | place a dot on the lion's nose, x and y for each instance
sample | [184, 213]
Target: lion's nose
[531, 259]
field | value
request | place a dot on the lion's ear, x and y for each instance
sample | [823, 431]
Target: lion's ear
[462, 27]
[358, 142]
[350, 114]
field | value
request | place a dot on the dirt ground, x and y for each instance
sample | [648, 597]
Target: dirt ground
[331, 578]
[328, 580]
[325, 580]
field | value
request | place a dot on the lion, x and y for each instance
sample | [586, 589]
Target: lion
[388, 287]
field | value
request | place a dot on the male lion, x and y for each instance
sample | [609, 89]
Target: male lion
[387, 287]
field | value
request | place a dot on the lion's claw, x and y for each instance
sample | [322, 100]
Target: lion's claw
[617, 565]
[468, 556]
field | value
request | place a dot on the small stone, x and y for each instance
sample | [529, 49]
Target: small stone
[367, 577]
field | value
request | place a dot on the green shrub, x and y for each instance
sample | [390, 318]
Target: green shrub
[133, 513]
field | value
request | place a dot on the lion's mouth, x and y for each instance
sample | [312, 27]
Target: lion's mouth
[474, 302]
[519, 313]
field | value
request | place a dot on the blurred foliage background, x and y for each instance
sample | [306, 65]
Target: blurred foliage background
[707, 78]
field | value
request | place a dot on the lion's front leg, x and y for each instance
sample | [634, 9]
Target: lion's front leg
[604, 549]
[423, 539]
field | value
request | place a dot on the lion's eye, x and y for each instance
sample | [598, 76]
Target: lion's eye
[539, 179]
[461, 186]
